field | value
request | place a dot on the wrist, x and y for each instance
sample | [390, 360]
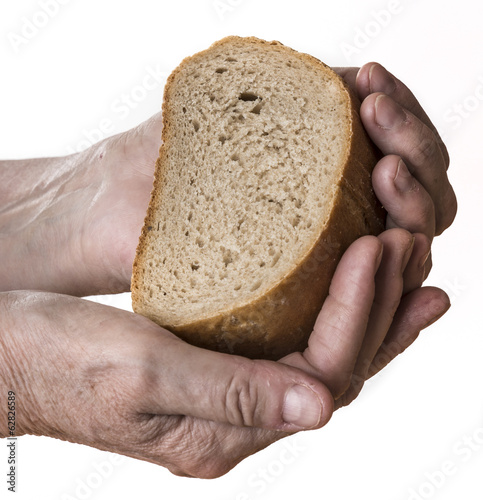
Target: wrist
[31, 241]
[71, 224]
[45, 239]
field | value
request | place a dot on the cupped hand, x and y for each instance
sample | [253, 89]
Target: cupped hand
[114, 380]
[79, 235]
[411, 180]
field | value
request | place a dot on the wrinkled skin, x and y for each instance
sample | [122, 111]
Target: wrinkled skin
[114, 380]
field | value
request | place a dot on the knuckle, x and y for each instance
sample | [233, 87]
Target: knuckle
[447, 210]
[140, 383]
[138, 386]
[140, 378]
[243, 401]
[334, 353]
[444, 150]
[424, 150]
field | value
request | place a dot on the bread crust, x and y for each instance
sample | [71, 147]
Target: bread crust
[280, 321]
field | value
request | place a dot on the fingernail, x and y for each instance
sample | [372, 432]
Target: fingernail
[403, 180]
[302, 407]
[407, 254]
[388, 112]
[380, 80]
[424, 259]
[379, 255]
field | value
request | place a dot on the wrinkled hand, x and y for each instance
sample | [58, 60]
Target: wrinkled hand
[79, 234]
[71, 224]
[411, 180]
[110, 379]
[412, 184]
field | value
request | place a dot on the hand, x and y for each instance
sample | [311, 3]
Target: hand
[92, 374]
[78, 234]
[411, 180]
[71, 224]
[412, 184]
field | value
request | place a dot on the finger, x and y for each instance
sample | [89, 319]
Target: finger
[409, 207]
[340, 327]
[407, 203]
[234, 390]
[418, 310]
[419, 265]
[349, 75]
[397, 131]
[427, 266]
[398, 245]
[373, 77]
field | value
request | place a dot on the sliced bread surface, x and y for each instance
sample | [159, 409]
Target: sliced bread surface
[263, 180]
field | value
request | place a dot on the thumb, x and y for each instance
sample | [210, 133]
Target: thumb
[187, 380]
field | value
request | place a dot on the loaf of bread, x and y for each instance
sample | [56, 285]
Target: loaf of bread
[262, 182]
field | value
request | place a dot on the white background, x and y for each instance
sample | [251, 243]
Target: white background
[60, 83]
